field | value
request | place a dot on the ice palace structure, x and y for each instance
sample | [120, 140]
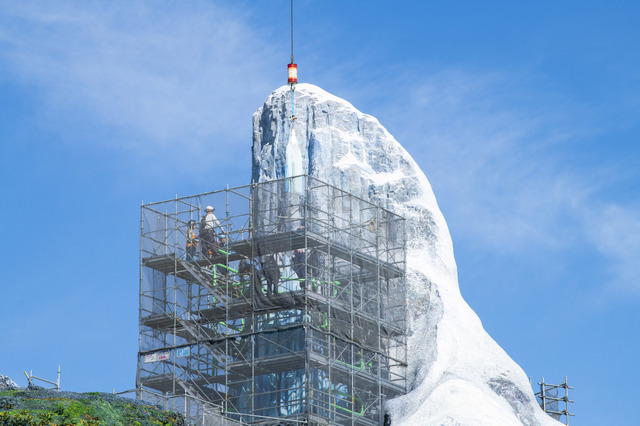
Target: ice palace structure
[333, 297]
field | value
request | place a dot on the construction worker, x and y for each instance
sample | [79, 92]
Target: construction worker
[245, 272]
[307, 264]
[207, 234]
[271, 272]
[299, 260]
[251, 276]
[192, 241]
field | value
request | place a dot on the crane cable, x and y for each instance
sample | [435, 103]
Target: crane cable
[292, 64]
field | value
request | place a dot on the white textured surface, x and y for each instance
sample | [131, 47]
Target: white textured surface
[457, 374]
[7, 382]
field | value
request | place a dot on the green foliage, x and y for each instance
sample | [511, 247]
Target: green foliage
[36, 408]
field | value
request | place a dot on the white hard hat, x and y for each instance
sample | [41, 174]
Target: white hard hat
[209, 208]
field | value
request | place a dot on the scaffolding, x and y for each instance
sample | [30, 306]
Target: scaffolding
[551, 398]
[297, 315]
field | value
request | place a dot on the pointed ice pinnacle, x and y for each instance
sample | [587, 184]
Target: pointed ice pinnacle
[458, 374]
[293, 165]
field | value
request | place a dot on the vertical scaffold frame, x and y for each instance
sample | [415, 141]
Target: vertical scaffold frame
[551, 397]
[297, 313]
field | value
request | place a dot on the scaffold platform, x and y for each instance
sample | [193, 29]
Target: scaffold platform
[276, 243]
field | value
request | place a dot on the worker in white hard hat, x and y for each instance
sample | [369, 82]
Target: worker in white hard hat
[207, 235]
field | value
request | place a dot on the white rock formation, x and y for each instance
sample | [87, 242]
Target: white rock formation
[7, 382]
[457, 374]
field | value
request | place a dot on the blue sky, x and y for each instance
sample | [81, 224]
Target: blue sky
[524, 117]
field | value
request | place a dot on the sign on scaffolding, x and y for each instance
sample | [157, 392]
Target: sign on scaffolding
[151, 357]
[157, 356]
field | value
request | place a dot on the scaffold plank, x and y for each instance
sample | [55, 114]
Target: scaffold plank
[242, 308]
[277, 363]
[274, 243]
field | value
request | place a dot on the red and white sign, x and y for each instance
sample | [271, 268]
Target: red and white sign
[150, 357]
[157, 356]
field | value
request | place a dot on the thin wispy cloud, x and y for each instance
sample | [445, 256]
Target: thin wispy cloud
[615, 231]
[178, 78]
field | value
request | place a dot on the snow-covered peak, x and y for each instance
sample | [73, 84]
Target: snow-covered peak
[314, 92]
[458, 374]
